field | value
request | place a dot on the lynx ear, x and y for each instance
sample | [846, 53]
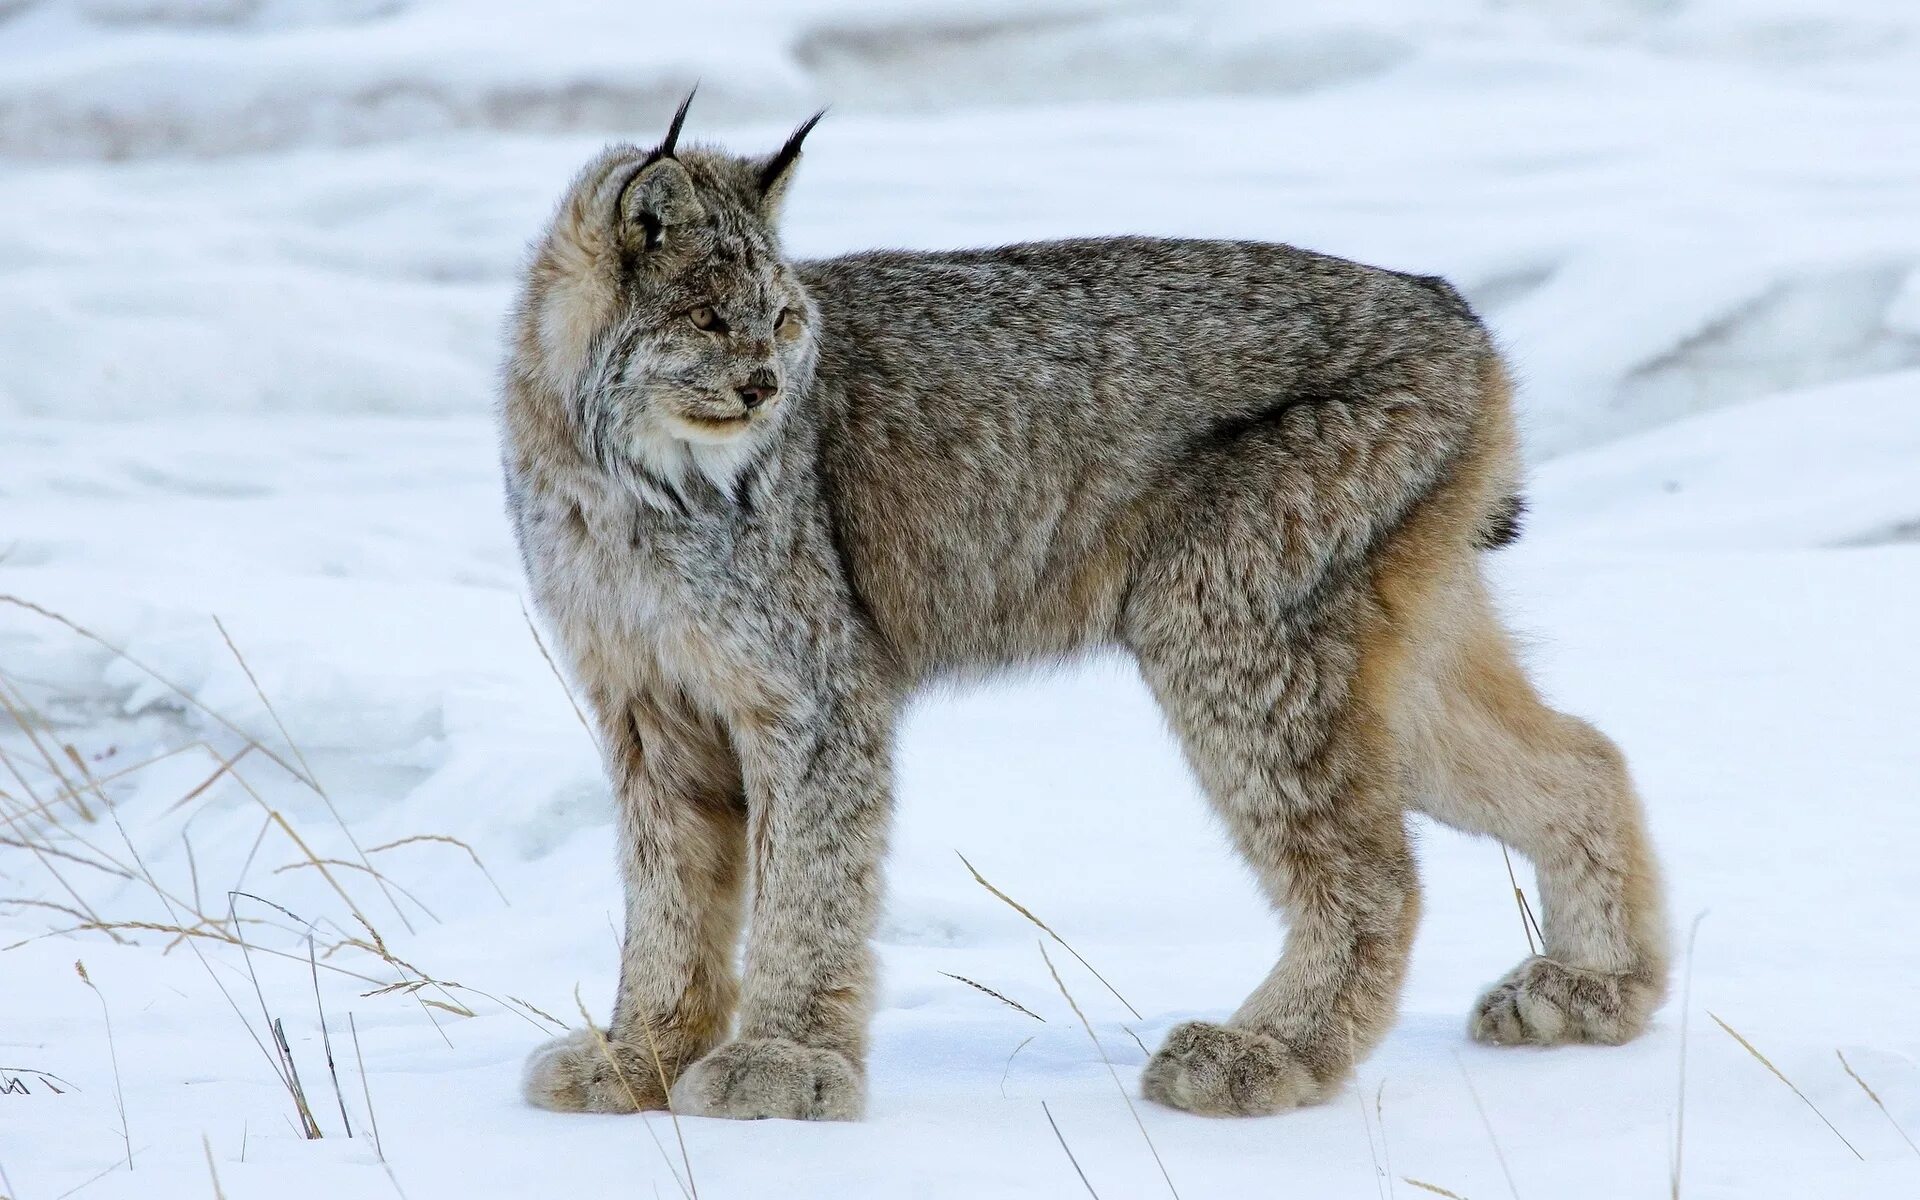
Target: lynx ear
[778, 169]
[660, 197]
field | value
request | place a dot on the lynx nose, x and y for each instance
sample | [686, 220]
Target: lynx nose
[754, 394]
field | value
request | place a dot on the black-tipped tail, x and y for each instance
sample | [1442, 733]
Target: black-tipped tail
[1502, 526]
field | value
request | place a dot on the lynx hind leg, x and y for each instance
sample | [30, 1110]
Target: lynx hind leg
[1273, 714]
[1496, 760]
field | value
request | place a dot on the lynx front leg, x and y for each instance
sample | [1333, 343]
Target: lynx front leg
[1270, 717]
[682, 855]
[819, 801]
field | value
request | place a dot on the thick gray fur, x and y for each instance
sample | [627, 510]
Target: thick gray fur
[762, 503]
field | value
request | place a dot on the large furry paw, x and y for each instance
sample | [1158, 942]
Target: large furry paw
[1545, 1003]
[771, 1077]
[586, 1071]
[1218, 1071]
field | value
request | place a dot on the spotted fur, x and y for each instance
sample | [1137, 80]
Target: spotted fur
[1263, 472]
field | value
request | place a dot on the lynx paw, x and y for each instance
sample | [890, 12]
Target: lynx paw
[771, 1077]
[1545, 1003]
[1218, 1071]
[586, 1071]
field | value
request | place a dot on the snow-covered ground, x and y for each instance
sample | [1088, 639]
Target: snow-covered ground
[253, 256]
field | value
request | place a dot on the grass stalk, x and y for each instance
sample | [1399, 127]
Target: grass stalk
[1499, 1154]
[620, 1072]
[981, 987]
[1875, 1097]
[1026, 912]
[366, 1092]
[1764, 1061]
[113, 1056]
[1122, 1088]
[1069, 1150]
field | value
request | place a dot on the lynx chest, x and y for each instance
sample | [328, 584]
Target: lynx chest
[643, 600]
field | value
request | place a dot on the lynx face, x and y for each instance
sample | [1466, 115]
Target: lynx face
[665, 312]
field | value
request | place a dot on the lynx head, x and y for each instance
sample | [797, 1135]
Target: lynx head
[659, 308]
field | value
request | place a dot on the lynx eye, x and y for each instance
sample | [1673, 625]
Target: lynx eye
[706, 320]
[789, 324]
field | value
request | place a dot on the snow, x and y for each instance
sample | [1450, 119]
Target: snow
[253, 265]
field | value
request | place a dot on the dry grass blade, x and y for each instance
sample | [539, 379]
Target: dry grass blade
[1499, 1154]
[86, 774]
[90, 1180]
[1063, 1145]
[1528, 925]
[1875, 1097]
[1680, 1105]
[366, 1093]
[633, 1097]
[666, 1096]
[1750, 1048]
[193, 943]
[289, 1075]
[354, 866]
[1008, 1069]
[1026, 912]
[221, 767]
[113, 1056]
[44, 1077]
[68, 855]
[1121, 1087]
[1373, 1151]
[29, 902]
[981, 987]
[207, 1148]
[45, 861]
[69, 790]
[313, 780]
[1435, 1188]
[309, 1128]
[1380, 1119]
[446, 987]
[445, 839]
[157, 677]
[566, 691]
[326, 1038]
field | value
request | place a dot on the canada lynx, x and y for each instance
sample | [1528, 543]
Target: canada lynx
[761, 502]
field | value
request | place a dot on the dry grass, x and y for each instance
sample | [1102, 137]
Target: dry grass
[1877, 1103]
[1764, 1061]
[1680, 1085]
[1435, 1188]
[1499, 1154]
[1007, 1068]
[113, 1055]
[981, 987]
[366, 1094]
[1528, 926]
[1026, 912]
[1380, 1119]
[1069, 1150]
[206, 1147]
[686, 1185]
[1102, 1050]
[57, 810]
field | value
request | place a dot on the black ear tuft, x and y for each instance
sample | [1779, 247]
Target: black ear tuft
[666, 147]
[784, 158]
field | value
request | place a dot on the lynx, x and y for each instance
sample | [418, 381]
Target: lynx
[760, 502]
